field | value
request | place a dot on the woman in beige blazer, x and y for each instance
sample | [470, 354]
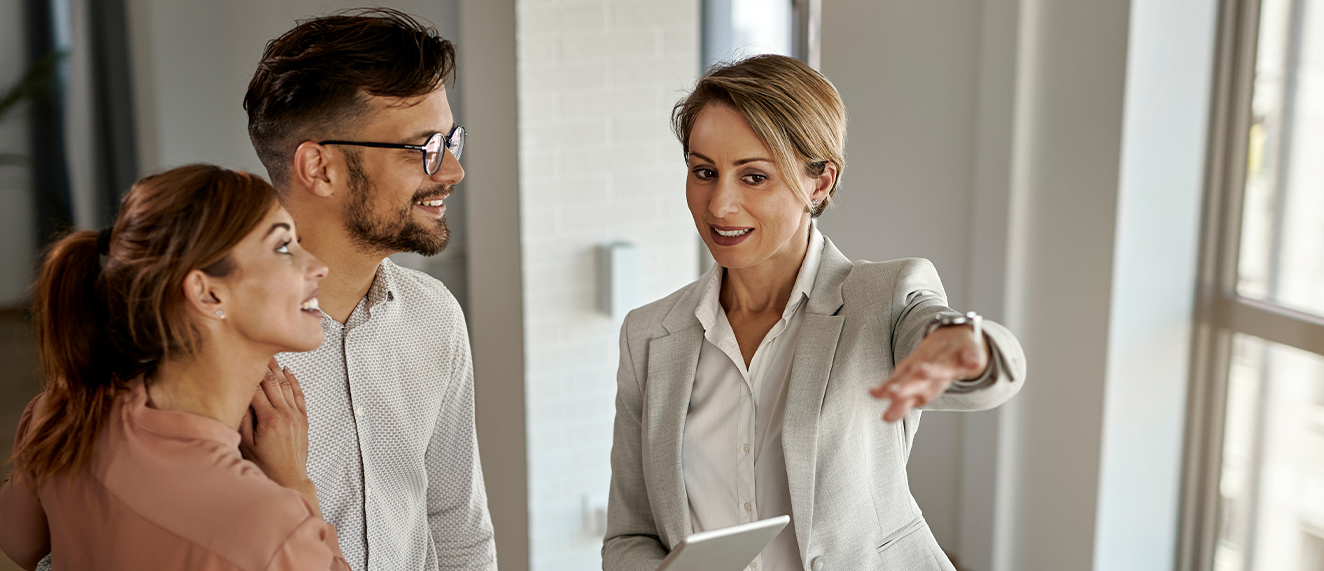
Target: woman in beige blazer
[788, 379]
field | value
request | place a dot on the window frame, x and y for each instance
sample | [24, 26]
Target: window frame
[1220, 313]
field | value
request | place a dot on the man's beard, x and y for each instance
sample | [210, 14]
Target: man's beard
[397, 232]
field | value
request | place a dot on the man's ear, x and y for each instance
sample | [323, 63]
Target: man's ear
[205, 295]
[312, 169]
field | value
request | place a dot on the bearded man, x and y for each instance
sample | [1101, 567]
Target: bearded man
[349, 115]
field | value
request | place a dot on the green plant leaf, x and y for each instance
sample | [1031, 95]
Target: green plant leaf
[38, 80]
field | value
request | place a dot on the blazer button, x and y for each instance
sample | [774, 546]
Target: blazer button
[817, 564]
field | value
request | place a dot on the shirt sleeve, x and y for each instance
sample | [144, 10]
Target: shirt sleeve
[312, 545]
[24, 533]
[457, 498]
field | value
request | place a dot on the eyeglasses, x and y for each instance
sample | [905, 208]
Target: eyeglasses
[432, 156]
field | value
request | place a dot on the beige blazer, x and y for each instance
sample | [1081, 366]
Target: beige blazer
[846, 467]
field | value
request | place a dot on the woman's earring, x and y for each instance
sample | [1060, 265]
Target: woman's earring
[814, 202]
[220, 314]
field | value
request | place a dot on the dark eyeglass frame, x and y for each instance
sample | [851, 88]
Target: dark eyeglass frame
[454, 142]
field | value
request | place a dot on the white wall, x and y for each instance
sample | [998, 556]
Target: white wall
[17, 238]
[909, 75]
[597, 80]
[1066, 164]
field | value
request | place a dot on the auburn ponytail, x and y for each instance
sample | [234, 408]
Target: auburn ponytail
[103, 323]
[72, 337]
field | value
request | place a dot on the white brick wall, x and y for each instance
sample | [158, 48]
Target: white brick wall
[597, 79]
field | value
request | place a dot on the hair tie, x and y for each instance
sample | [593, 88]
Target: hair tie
[103, 241]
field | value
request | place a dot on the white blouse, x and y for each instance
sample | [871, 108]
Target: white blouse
[732, 456]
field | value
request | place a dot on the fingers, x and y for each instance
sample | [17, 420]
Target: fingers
[918, 380]
[287, 388]
[246, 429]
[298, 392]
[261, 403]
[898, 410]
[271, 386]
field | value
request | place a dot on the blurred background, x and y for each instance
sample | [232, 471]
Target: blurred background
[1134, 188]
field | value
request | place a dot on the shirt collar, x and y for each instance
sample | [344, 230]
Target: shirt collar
[383, 284]
[710, 301]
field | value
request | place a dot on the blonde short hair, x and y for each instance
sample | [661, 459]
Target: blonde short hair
[792, 109]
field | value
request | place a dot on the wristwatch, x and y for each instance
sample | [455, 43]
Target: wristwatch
[946, 319]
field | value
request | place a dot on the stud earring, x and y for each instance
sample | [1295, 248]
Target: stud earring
[814, 202]
[220, 314]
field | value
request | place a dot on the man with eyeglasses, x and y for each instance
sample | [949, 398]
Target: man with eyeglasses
[348, 113]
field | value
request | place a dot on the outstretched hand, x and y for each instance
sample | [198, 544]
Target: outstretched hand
[945, 356]
[274, 432]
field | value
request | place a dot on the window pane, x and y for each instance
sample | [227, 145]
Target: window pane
[1271, 488]
[734, 29]
[1282, 243]
[761, 26]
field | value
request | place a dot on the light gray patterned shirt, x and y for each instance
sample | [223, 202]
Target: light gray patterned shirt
[391, 441]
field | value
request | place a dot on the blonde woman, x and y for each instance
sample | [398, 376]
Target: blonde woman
[787, 380]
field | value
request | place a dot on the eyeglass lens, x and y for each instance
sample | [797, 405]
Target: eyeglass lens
[432, 153]
[433, 156]
[457, 141]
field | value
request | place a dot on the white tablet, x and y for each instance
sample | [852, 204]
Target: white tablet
[727, 549]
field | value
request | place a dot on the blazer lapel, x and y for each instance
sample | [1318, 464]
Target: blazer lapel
[672, 360]
[810, 372]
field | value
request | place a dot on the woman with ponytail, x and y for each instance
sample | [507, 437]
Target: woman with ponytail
[156, 340]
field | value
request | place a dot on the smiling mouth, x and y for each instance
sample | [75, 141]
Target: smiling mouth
[433, 203]
[311, 304]
[732, 233]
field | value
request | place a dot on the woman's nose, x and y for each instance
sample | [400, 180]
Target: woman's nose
[316, 269]
[725, 200]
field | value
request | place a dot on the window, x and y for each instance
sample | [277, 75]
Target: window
[1254, 498]
[734, 29]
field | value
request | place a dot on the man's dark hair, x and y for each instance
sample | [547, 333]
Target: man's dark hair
[313, 80]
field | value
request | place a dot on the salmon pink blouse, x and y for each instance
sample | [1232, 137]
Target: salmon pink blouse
[164, 490]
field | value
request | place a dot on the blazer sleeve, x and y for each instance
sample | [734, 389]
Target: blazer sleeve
[24, 532]
[920, 295]
[631, 542]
